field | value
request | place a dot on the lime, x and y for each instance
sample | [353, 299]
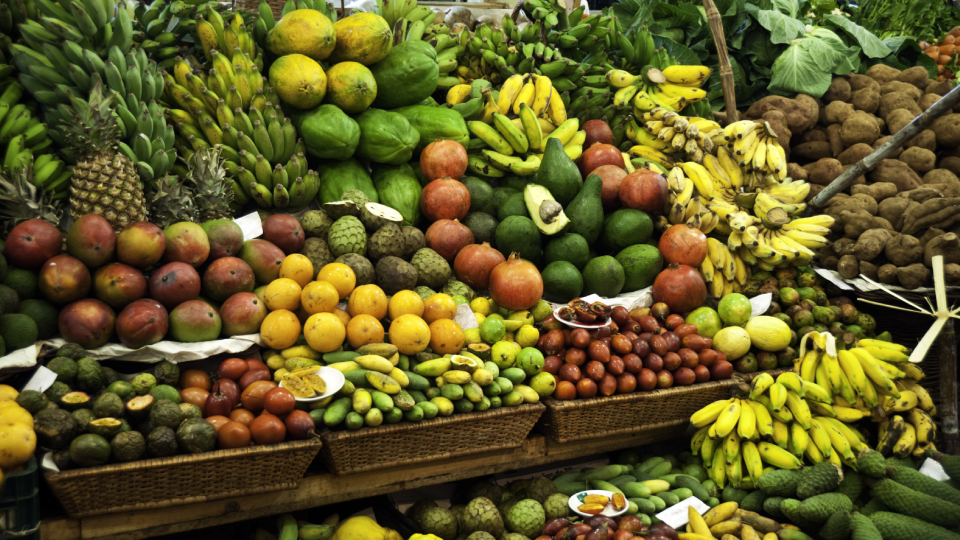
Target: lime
[541, 311]
[459, 299]
[530, 360]
[543, 384]
[492, 330]
[480, 305]
[706, 320]
[528, 336]
[471, 336]
[525, 317]
[734, 309]
[504, 354]
[512, 325]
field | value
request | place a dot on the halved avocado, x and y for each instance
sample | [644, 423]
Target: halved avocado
[105, 427]
[75, 400]
[464, 363]
[544, 210]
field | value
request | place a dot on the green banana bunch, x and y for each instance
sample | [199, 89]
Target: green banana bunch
[24, 137]
[394, 11]
[152, 143]
[13, 14]
[265, 20]
[162, 43]
[636, 49]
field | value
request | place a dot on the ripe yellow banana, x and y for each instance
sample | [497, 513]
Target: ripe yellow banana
[686, 75]
[619, 78]
[747, 425]
[778, 457]
[556, 111]
[509, 91]
[527, 95]
[542, 93]
[458, 94]
[728, 418]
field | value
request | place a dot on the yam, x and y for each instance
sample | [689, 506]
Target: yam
[893, 154]
[860, 82]
[917, 76]
[848, 267]
[815, 190]
[843, 246]
[925, 139]
[860, 201]
[895, 209]
[887, 274]
[883, 224]
[813, 151]
[939, 87]
[919, 159]
[866, 99]
[903, 250]
[898, 119]
[947, 130]
[943, 176]
[857, 222]
[824, 170]
[868, 269]
[895, 172]
[896, 100]
[897, 86]
[839, 91]
[913, 276]
[931, 233]
[883, 73]
[836, 112]
[796, 172]
[812, 107]
[855, 153]
[871, 244]
[858, 128]
[830, 262]
[951, 274]
[835, 139]
[947, 245]
[799, 117]
[927, 100]
[878, 192]
[951, 164]
[939, 212]
[778, 122]
[814, 135]
[922, 194]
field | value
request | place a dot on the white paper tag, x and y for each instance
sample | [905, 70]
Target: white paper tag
[343, 306]
[42, 379]
[933, 469]
[759, 304]
[828, 275]
[591, 298]
[676, 516]
[251, 226]
[465, 317]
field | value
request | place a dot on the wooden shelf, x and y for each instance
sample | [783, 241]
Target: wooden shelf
[325, 488]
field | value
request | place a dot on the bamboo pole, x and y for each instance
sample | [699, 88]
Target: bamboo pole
[726, 71]
[867, 164]
[948, 388]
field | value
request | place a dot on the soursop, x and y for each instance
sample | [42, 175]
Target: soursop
[316, 224]
[454, 287]
[424, 292]
[386, 242]
[820, 478]
[507, 503]
[395, 274]
[347, 235]
[482, 515]
[339, 209]
[415, 512]
[318, 252]
[527, 518]
[375, 216]
[458, 511]
[440, 522]
[540, 488]
[432, 269]
[413, 241]
[361, 266]
[556, 506]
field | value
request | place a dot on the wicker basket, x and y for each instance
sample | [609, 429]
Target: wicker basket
[171, 481]
[624, 414]
[369, 449]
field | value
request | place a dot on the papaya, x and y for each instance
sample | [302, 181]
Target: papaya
[410, 71]
[386, 137]
[304, 31]
[434, 123]
[338, 177]
[351, 86]
[298, 80]
[399, 189]
[328, 132]
[362, 37]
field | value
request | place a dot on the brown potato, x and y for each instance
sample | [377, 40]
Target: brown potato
[896, 172]
[858, 128]
[799, 117]
[879, 142]
[927, 100]
[866, 99]
[834, 138]
[814, 135]
[917, 76]
[896, 100]
[919, 159]
[823, 171]
[950, 163]
[813, 151]
[855, 153]
[883, 73]
[947, 130]
[797, 172]
[925, 139]
[859, 82]
[899, 118]
[839, 91]
[836, 112]
[897, 86]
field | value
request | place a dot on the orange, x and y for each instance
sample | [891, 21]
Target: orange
[16, 415]
[17, 444]
[410, 334]
[368, 300]
[324, 332]
[364, 329]
[344, 316]
[439, 306]
[8, 392]
[319, 296]
[405, 302]
[282, 293]
[280, 329]
[446, 336]
[340, 276]
[298, 268]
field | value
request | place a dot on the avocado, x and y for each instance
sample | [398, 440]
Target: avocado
[108, 376]
[626, 227]
[483, 226]
[568, 247]
[89, 375]
[56, 391]
[18, 331]
[545, 211]
[514, 205]
[23, 282]
[83, 417]
[641, 263]
[518, 234]
[196, 435]
[559, 174]
[162, 442]
[500, 194]
[586, 210]
[44, 314]
[69, 350]
[481, 195]
[167, 373]
[128, 446]
[604, 276]
[11, 302]
[513, 181]
[562, 282]
[165, 413]
[55, 428]
[108, 405]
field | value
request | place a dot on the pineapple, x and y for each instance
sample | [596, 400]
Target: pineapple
[104, 182]
[21, 200]
[212, 191]
[173, 202]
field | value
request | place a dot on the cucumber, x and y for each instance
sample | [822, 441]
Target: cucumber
[682, 493]
[644, 506]
[696, 471]
[608, 472]
[337, 411]
[674, 462]
[623, 479]
[353, 420]
[429, 409]
[649, 464]
[606, 486]
[658, 503]
[566, 477]
[393, 416]
[635, 489]
[629, 457]
[674, 479]
[713, 502]
[710, 487]
[694, 486]
[646, 520]
[632, 509]
[642, 476]
[418, 396]
[669, 497]
[415, 414]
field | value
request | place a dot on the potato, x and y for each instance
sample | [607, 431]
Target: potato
[939, 87]
[812, 107]
[951, 164]
[945, 177]
[947, 130]
[866, 99]
[887, 274]
[844, 246]
[916, 76]
[881, 123]
[897, 100]
[798, 115]
[894, 154]
[882, 73]
[903, 250]
[951, 274]
[778, 122]
[931, 233]
[919, 159]
[927, 101]
[913, 276]
[898, 119]
[814, 135]
[868, 269]
[796, 172]
[879, 191]
[830, 262]
[855, 153]
[848, 267]
[858, 128]
[896, 172]
[823, 171]
[857, 223]
[871, 244]
[836, 112]
[813, 151]
[897, 86]
[924, 139]
[859, 82]
[894, 209]
[839, 91]
[834, 138]
[815, 190]
[947, 245]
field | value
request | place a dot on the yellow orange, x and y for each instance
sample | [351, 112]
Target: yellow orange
[405, 303]
[16, 415]
[368, 300]
[410, 334]
[446, 336]
[280, 329]
[17, 444]
[340, 276]
[363, 330]
[319, 297]
[282, 293]
[343, 315]
[298, 268]
[8, 392]
[439, 306]
[324, 332]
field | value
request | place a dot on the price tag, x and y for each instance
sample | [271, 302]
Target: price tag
[828, 275]
[251, 225]
[42, 379]
[759, 304]
[676, 516]
[933, 469]
[465, 318]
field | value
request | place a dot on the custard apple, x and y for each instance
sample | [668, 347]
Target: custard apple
[458, 510]
[358, 197]
[432, 269]
[424, 292]
[556, 506]
[316, 224]
[509, 499]
[527, 518]
[318, 252]
[415, 512]
[395, 274]
[386, 242]
[440, 522]
[454, 287]
[490, 490]
[375, 215]
[361, 266]
[481, 535]
[482, 515]
[515, 536]
[540, 488]
[347, 235]
[413, 240]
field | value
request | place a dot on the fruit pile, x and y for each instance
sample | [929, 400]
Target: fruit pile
[18, 441]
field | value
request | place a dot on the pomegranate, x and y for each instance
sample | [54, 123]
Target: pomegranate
[441, 158]
[218, 404]
[644, 190]
[516, 284]
[683, 243]
[299, 424]
[447, 237]
[474, 263]
[680, 287]
[445, 198]
[597, 131]
[597, 155]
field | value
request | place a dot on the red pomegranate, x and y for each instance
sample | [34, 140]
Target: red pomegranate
[516, 284]
[597, 131]
[610, 192]
[445, 198]
[474, 264]
[441, 158]
[684, 244]
[597, 155]
[680, 287]
[644, 190]
[447, 237]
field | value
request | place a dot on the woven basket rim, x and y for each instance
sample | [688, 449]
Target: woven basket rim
[182, 460]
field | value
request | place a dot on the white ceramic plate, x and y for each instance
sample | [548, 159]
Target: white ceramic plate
[577, 499]
[576, 324]
[332, 377]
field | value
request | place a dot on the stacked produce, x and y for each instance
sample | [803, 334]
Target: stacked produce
[18, 441]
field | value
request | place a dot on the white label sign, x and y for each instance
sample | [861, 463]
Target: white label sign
[759, 304]
[251, 226]
[828, 275]
[676, 516]
[465, 317]
[933, 469]
[41, 380]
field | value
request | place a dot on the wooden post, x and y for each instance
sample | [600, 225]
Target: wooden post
[726, 71]
[948, 389]
[865, 165]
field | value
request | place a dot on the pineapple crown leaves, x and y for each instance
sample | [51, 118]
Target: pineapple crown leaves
[172, 202]
[90, 127]
[21, 199]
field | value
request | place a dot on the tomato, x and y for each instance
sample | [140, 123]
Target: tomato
[267, 429]
[242, 415]
[195, 378]
[253, 376]
[197, 396]
[252, 396]
[233, 435]
[279, 401]
[256, 365]
[217, 421]
[233, 368]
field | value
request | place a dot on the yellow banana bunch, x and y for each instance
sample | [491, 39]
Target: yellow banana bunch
[534, 91]
[678, 134]
[723, 270]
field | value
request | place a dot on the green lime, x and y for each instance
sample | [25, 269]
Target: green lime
[706, 320]
[734, 309]
[492, 330]
[459, 299]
